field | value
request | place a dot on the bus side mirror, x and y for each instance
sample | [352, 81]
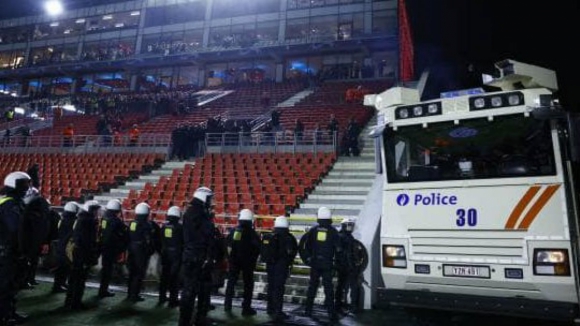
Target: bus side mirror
[574, 130]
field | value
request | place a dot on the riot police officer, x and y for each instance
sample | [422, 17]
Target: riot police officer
[197, 258]
[16, 184]
[321, 244]
[171, 251]
[83, 252]
[35, 225]
[114, 239]
[65, 226]
[143, 242]
[244, 249]
[278, 252]
[348, 267]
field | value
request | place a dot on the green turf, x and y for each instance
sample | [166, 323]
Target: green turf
[46, 309]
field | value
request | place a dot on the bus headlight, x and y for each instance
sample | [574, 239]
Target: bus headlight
[551, 262]
[433, 108]
[514, 99]
[417, 111]
[496, 101]
[403, 113]
[479, 103]
[394, 256]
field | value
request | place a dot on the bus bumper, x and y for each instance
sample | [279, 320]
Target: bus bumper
[478, 304]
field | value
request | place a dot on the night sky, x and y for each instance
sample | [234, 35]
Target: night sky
[448, 34]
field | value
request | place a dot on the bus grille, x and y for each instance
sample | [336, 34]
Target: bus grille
[477, 246]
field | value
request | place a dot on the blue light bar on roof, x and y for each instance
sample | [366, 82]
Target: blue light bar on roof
[463, 92]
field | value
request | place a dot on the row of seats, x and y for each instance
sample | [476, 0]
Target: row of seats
[252, 185]
[66, 177]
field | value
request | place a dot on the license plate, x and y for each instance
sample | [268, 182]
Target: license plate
[466, 271]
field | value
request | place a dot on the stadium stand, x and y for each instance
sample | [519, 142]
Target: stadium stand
[269, 184]
[66, 177]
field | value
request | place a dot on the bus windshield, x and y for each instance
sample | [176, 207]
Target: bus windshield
[508, 146]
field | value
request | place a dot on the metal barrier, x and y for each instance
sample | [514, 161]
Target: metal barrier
[146, 143]
[271, 142]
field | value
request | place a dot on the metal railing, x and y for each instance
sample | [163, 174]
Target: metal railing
[271, 142]
[145, 143]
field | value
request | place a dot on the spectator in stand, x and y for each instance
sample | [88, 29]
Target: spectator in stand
[265, 99]
[25, 133]
[352, 132]
[134, 135]
[332, 126]
[68, 135]
[9, 115]
[276, 120]
[298, 130]
[58, 113]
[318, 134]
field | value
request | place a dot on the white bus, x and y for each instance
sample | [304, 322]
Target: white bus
[479, 205]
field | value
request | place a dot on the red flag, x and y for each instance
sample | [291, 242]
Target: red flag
[406, 50]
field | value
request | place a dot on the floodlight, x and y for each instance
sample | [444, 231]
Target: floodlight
[53, 7]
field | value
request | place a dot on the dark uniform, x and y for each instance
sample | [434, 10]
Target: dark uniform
[171, 252]
[114, 240]
[11, 210]
[348, 267]
[144, 241]
[321, 245]
[282, 247]
[244, 244]
[85, 254]
[35, 231]
[10, 213]
[197, 259]
[62, 271]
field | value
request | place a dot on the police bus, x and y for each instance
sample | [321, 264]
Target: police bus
[479, 200]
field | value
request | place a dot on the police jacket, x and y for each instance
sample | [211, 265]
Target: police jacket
[53, 221]
[172, 237]
[322, 245]
[35, 227]
[346, 258]
[244, 244]
[285, 246]
[10, 212]
[114, 234]
[143, 235]
[84, 235]
[65, 230]
[198, 234]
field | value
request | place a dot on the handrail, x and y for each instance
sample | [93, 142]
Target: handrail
[280, 141]
[87, 143]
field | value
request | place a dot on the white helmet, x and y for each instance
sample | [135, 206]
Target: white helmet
[11, 179]
[71, 207]
[348, 224]
[246, 215]
[281, 222]
[324, 213]
[113, 205]
[174, 211]
[142, 209]
[91, 204]
[203, 193]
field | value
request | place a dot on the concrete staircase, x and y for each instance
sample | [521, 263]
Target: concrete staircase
[295, 98]
[122, 191]
[345, 188]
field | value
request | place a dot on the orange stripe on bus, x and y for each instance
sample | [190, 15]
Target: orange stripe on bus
[522, 204]
[538, 206]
